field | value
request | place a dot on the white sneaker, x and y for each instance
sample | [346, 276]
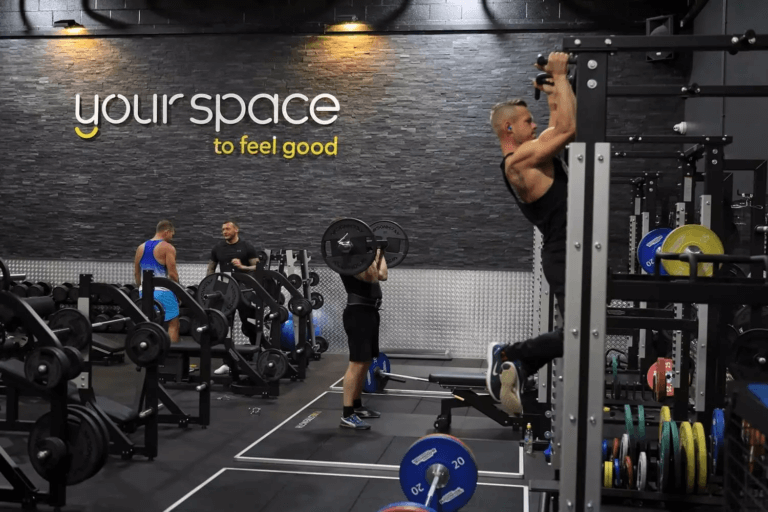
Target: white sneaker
[222, 370]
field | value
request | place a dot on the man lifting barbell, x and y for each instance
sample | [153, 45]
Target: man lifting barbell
[159, 256]
[361, 323]
[229, 254]
[538, 181]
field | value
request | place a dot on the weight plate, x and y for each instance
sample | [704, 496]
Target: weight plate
[295, 280]
[299, 306]
[219, 291]
[677, 461]
[749, 353]
[317, 300]
[628, 420]
[662, 477]
[629, 472]
[46, 367]
[374, 383]
[431, 452]
[272, 365]
[314, 278]
[700, 449]
[718, 438]
[605, 449]
[608, 474]
[730, 270]
[615, 449]
[102, 426]
[616, 473]
[664, 415]
[688, 456]
[322, 344]
[649, 246]
[147, 344]
[397, 241]
[642, 471]
[742, 318]
[624, 446]
[78, 325]
[640, 422]
[360, 248]
[75, 359]
[406, 506]
[691, 238]
[84, 447]
[218, 327]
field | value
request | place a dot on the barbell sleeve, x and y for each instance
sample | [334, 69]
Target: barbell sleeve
[66, 330]
[761, 229]
[432, 489]
[18, 277]
[201, 387]
[214, 294]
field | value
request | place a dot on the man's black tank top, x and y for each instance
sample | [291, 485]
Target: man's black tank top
[361, 288]
[549, 213]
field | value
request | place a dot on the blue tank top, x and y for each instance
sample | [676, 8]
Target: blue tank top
[148, 261]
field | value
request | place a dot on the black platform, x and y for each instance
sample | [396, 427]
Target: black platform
[275, 490]
[313, 436]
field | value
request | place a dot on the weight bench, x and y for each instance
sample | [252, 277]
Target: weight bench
[463, 387]
[186, 348]
[107, 349]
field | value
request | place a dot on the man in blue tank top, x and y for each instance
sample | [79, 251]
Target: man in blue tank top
[159, 256]
[538, 181]
[361, 323]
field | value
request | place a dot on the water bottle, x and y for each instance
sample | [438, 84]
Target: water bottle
[528, 439]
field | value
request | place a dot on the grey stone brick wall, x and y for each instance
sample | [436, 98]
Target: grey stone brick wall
[414, 143]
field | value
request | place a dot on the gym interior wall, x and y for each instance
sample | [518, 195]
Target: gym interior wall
[411, 142]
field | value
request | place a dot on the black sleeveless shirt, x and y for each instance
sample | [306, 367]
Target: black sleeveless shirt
[549, 213]
[361, 288]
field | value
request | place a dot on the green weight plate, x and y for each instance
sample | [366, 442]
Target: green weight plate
[640, 422]
[676, 458]
[628, 421]
[662, 477]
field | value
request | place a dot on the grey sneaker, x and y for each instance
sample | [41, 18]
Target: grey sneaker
[364, 412]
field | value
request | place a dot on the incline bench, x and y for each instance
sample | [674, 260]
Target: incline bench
[463, 386]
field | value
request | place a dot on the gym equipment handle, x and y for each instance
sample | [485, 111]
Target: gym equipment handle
[541, 60]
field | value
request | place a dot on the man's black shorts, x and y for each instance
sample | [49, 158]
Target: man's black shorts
[361, 323]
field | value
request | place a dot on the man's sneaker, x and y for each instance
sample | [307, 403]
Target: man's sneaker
[364, 412]
[222, 370]
[495, 364]
[354, 422]
[510, 390]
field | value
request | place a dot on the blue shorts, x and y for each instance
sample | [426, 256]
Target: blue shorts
[169, 302]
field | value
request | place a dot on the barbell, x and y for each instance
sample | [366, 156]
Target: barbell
[378, 375]
[349, 245]
[436, 468]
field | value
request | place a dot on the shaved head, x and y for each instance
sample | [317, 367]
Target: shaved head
[502, 113]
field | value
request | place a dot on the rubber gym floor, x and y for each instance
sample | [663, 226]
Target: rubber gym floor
[230, 465]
